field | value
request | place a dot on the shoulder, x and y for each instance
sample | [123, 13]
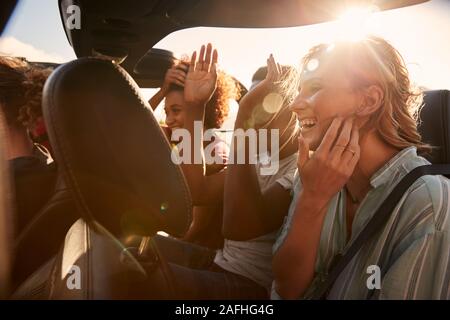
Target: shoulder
[430, 193]
[427, 199]
[434, 191]
[424, 210]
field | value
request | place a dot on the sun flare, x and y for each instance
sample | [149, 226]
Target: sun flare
[356, 22]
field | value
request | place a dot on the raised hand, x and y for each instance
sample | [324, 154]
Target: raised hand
[328, 170]
[259, 92]
[201, 78]
[274, 72]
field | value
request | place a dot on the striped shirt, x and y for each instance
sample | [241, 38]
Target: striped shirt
[412, 251]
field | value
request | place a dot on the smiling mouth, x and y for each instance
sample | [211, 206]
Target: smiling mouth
[307, 124]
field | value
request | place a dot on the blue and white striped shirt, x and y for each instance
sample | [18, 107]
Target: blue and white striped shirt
[412, 250]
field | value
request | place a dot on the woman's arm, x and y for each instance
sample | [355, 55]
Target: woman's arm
[244, 203]
[322, 176]
[199, 86]
[157, 98]
[294, 263]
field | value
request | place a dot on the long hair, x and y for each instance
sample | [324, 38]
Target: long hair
[373, 60]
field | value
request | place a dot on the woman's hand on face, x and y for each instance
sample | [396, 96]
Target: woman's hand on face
[201, 78]
[175, 75]
[329, 168]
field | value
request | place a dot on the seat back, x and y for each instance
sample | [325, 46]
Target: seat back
[116, 163]
[434, 124]
[43, 236]
[112, 152]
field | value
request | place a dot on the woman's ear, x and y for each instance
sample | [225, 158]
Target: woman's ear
[371, 102]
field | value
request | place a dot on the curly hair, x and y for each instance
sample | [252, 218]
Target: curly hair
[21, 91]
[217, 108]
[373, 60]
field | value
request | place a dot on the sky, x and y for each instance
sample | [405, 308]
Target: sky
[421, 33]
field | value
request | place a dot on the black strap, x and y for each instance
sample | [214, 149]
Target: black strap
[377, 222]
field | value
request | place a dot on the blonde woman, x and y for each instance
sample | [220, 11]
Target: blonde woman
[358, 139]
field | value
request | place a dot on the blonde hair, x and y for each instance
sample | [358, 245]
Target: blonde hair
[373, 60]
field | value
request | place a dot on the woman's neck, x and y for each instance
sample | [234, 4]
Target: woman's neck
[374, 154]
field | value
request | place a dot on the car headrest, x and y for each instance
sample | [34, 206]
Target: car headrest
[112, 152]
[434, 124]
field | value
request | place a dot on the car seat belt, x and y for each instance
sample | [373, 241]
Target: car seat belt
[375, 224]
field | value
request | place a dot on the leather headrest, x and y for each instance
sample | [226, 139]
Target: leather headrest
[434, 124]
[112, 151]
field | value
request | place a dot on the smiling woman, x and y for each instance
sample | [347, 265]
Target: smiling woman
[357, 106]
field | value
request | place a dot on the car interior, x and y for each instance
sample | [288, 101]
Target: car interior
[110, 149]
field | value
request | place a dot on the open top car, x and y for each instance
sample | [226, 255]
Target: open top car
[117, 190]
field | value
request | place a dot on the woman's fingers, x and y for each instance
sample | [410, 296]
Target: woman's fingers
[279, 68]
[180, 83]
[330, 136]
[179, 78]
[180, 73]
[215, 58]
[182, 66]
[269, 68]
[272, 68]
[207, 61]
[175, 76]
[269, 71]
[351, 153]
[193, 62]
[177, 72]
[342, 140]
[353, 161]
[201, 59]
[303, 150]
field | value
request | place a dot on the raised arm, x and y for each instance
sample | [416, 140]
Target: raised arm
[199, 86]
[249, 213]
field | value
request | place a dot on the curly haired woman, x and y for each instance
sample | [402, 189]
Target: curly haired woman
[207, 221]
[21, 104]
